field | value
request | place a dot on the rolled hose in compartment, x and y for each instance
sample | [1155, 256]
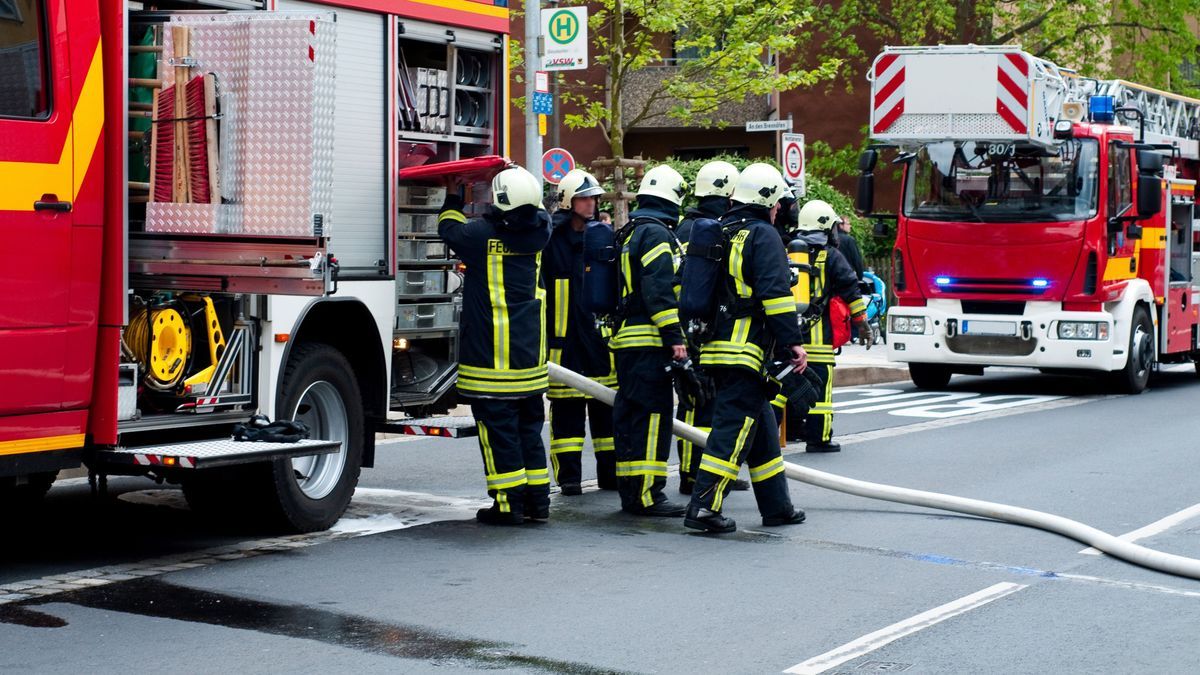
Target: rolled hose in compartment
[1102, 541]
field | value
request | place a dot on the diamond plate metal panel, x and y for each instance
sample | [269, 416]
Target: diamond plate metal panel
[276, 75]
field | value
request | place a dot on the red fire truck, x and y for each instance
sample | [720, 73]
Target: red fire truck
[206, 222]
[1046, 221]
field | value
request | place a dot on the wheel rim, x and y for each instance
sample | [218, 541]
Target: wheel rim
[1141, 351]
[322, 409]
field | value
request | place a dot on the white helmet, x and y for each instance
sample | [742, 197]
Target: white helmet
[514, 187]
[577, 183]
[817, 215]
[716, 179]
[664, 182]
[760, 184]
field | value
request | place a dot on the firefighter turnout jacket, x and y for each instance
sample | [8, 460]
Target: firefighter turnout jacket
[709, 207]
[574, 340]
[761, 312]
[499, 356]
[650, 259]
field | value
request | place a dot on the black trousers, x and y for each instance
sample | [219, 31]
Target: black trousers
[744, 430]
[642, 426]
[514, 457]
[818, 424]
[568, 418]
[689, 454]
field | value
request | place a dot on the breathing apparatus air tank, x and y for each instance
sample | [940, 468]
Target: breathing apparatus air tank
[800, 260]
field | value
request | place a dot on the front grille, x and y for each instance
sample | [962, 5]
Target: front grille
[990, 345]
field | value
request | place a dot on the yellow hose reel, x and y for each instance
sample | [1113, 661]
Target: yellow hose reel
[164, 353]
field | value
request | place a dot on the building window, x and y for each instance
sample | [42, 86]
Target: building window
[24, 91]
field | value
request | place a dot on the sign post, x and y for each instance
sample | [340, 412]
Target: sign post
[565, 32]
[556, 163]
[792, 161]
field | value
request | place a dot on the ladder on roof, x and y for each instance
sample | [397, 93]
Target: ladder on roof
[1169, 118]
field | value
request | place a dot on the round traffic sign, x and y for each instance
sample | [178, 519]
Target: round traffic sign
[564, 27]
[793, 161]
[556, 163]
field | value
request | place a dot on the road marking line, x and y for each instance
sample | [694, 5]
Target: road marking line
[1154, 528]
[872, 641]
[891, 432]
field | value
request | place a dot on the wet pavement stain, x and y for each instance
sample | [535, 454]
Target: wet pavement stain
[159, 599]
[22, 616]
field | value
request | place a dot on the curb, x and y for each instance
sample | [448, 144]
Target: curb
[856, 376]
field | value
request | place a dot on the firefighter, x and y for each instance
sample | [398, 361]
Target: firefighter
[759, 319]
[714, 183]
[575, 342]
[502, 355]
[648, 337]
[831, 276]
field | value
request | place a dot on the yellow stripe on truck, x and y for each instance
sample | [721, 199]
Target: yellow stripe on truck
[41, 444]
[25, 182]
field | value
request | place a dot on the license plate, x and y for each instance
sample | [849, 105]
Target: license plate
[989, 328]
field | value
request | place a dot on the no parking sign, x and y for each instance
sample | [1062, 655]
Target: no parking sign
[792, 149]
[556, 163]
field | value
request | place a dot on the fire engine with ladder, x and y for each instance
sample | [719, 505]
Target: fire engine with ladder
[227, 208]
[1047, 219]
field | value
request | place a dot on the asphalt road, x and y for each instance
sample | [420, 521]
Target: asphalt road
[409, 583]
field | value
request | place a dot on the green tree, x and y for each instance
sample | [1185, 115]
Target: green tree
[737, 46]
[1145, 41]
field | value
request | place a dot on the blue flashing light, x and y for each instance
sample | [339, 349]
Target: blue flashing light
[1040, 283]
[1102, 109]
[942, 281]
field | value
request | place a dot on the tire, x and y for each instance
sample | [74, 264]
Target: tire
[29, 492]
[1133, 378]
[308, 494]
[929, 375]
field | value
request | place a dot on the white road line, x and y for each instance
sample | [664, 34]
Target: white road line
[968, 419]
[870, 642]
[1154, 528]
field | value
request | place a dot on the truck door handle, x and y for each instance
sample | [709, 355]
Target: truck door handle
[51, 205]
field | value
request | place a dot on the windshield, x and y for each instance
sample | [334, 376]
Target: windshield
[1002, 182]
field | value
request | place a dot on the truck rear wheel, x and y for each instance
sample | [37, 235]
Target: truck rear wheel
[1133, 378]
[929, 375]
[319, 389]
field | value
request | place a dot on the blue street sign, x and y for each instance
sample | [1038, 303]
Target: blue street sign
[543, 103]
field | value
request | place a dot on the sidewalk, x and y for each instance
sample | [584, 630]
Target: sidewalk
[857, 365]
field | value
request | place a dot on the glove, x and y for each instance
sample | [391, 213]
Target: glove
[692, 387]
[866, 334]
[259, 428]
[807, 388]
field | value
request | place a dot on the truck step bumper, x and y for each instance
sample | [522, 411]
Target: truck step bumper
[210, 454]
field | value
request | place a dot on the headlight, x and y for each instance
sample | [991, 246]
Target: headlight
[914, 325]
[1083, 330]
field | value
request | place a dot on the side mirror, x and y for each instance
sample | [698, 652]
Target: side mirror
[1149, 161]
[1149, 197]
[867, 161]
[880, 228]
[865, 201]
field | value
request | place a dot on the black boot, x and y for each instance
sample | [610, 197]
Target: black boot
[537, 514]
[794, 518]
[571, 489]
[663, 509]
[707, 521]
[494, 516]
[826, 446]
[740, 484]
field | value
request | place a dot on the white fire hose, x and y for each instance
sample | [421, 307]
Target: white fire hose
[1102, 541]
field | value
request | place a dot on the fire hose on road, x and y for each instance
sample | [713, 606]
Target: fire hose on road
[1102, 541]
